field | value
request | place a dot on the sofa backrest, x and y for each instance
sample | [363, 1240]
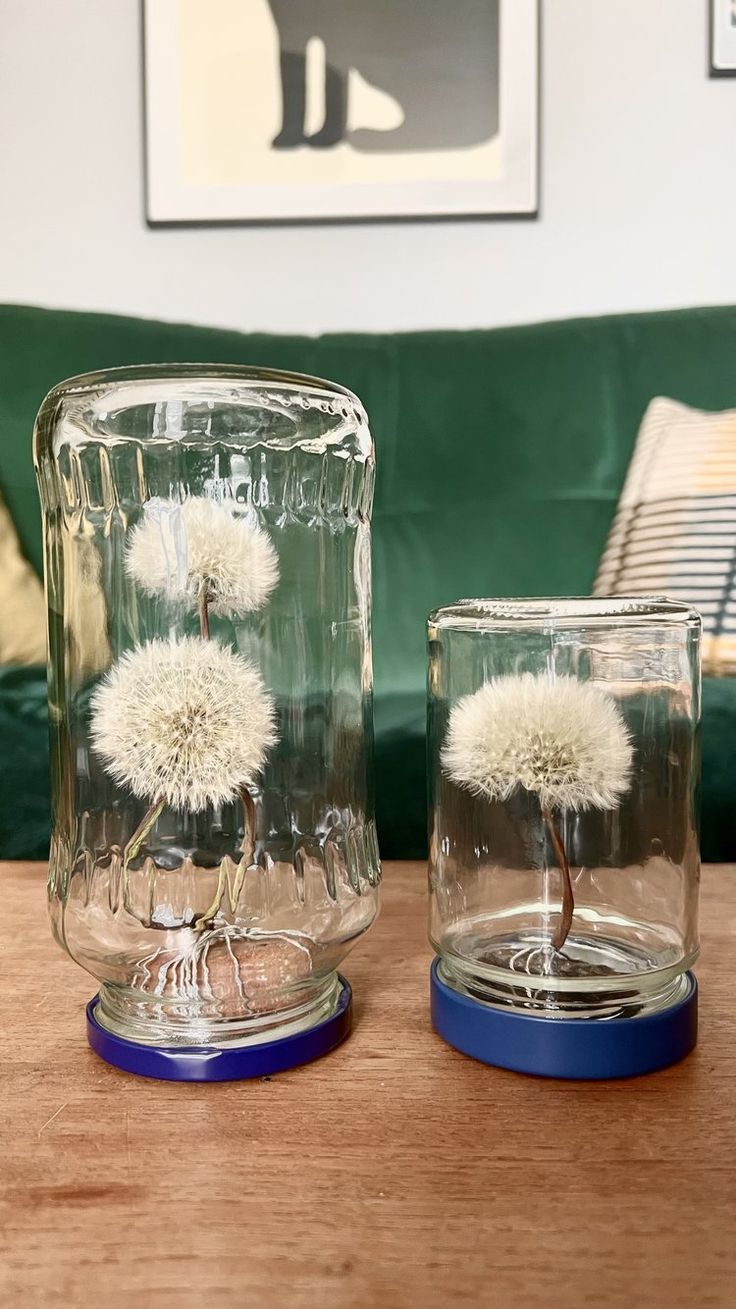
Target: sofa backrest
[501, 453]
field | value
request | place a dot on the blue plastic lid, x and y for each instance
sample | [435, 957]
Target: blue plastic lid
[579, 1048]
[222, 1063]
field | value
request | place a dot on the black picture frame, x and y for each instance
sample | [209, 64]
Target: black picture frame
[529, 211]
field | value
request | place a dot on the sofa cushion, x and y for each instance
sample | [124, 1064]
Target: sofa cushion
[674, 532]
[22, 608]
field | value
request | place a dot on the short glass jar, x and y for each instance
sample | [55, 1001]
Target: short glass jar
[214, 851]
[564, 862]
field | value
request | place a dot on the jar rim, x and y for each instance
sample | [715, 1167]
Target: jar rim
[147, 402]
[246, 374]
[563, 611]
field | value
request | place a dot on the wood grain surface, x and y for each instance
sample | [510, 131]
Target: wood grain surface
[393, 1173]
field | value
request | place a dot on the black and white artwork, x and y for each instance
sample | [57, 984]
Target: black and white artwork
[440, 73]
[262, 110]
[723, 38]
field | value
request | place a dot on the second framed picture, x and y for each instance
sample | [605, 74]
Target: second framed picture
[723, 38]
[268, 110]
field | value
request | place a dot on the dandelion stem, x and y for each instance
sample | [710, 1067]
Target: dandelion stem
[133, 846]
[203, 601]
[248, 846]
[205, 919]
[568, 902]
[248, 849]
[142, 830]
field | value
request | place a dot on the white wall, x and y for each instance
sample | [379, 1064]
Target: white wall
[638, 191]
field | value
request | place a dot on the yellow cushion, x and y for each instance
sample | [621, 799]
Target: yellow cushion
[22, 607]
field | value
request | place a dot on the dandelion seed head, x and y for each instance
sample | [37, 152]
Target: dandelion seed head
[177, 548]
[186, 720]
[562, 739]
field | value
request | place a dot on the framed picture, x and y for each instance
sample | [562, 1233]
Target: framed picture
[294, 110]
[723, 38]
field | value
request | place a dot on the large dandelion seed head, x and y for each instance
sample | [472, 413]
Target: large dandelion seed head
[176, 549]
[188, 721]
[564, 740]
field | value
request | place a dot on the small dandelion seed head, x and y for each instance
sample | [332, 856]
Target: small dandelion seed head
[562, 739]
[176, 549]
[186, 720]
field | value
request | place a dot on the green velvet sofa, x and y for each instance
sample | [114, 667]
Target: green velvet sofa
[501, 455]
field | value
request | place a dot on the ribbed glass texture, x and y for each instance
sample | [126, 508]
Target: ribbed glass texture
[497, 886]
[228, 921]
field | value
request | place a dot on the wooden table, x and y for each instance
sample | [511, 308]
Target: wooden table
[394, 1173]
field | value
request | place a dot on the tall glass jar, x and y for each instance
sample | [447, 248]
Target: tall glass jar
[214, 850]
[564, 863]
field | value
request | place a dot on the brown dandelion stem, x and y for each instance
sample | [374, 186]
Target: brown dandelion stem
[568, 900]
[249, 825]
[205, 919]
[133, 846]
[248, 849]
[203, 602]
[142, 830]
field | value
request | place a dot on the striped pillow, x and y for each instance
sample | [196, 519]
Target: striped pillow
[675, 527]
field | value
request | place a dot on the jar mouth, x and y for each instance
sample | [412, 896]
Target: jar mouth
[544, 612]
[203, 404]
[245, 375]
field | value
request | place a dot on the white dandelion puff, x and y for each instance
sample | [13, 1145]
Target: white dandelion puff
[202, 550]
[185, 722]
[564, 740]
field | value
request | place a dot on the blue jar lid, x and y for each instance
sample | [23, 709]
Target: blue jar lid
[574, 1048]
[224, 1063]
